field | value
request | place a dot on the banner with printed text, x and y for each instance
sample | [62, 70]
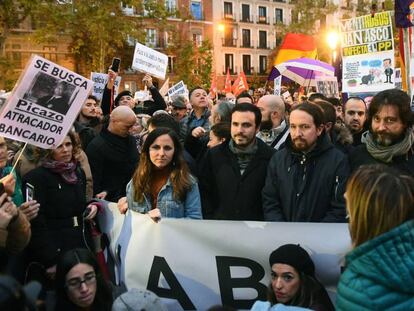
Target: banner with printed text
[367, 46]
[195, 264]
[150, 61]
[44, 104]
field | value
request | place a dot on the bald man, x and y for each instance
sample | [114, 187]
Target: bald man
[113, 155]
[273, 129]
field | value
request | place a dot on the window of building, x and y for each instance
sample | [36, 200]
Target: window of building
[278, 15]
[247, 65]
[151, 37]
[228, 63]
[170, 5]
[262, 39]
[246, 37]
[262, 64]
[171, 61]
[196, 10]
[127, 9]
[246, 13]
[197, 39]
[262, 14]
[52, 55]
[130, 86]
[228, 10]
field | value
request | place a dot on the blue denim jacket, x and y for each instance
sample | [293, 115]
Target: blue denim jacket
[168, 206]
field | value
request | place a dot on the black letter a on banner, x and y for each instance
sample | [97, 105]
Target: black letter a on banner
[227, 283]
[160, 265]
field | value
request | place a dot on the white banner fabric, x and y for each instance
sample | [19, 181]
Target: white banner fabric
[194, 264]
[150, 61]
[100, 80]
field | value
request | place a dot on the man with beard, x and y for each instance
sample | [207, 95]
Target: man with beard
[233, 173]
[273, 128]
[390, 137]
[355, 115]
[88, 124]
[306, 179]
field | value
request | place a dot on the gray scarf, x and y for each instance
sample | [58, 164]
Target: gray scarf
[386, 154]
[269, 136]
[245, 155]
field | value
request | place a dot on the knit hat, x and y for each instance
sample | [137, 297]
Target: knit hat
[118, 97]
[179, 102]
[138, 299]
[295, 256]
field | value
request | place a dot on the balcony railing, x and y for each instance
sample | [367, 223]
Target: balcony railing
[233, 71]
[229, 17]
[247, 19]
[247, 44]
[229, 42]
[277, 21]
[263, 45]
[262, 20]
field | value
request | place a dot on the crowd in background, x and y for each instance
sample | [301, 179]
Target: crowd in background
[258, 157]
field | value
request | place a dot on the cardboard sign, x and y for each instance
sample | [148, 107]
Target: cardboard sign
[277, 85]
[367, 53]
[327, 86]
[150, 61]
[44, 104]
[177, 89]
[99, 82]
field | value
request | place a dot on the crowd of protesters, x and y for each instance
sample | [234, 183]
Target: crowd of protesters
[259, 158]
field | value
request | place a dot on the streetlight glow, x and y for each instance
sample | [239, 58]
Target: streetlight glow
[332, 39]
[221, 27]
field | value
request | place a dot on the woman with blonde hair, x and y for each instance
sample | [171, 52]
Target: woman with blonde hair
[379, 270]
[162, 185]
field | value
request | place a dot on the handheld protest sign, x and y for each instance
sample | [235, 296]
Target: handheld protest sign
[150, 61]
[100, 80]
[177, 89]
[43, 104]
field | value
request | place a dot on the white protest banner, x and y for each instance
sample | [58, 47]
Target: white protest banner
[177, 89]
[327, 86]
[277, 85]
[99, 82]
[194, 264]
[44, 104]
[150, 61]
[367, 53]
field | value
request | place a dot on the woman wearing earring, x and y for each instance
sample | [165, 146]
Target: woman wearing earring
[162, 185]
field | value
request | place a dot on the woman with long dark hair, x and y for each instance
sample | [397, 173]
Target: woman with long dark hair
[162, 185]
[80, 284]
[294, 282]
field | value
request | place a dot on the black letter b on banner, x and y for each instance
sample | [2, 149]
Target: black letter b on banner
[227, 283]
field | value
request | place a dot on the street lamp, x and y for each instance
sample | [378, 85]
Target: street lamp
[332, 39]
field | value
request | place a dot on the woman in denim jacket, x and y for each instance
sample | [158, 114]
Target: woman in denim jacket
[162, 185]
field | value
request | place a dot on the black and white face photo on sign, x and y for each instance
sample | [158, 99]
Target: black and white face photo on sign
[51, 93]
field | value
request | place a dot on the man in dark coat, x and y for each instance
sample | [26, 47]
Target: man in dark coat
[355, 117]
[58, 101]
[390, 137]
[306, 180]
[113, 155]
[232, 174]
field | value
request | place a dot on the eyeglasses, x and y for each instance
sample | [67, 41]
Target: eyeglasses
[76, 283]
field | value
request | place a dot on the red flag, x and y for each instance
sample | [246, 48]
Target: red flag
[227, 84]
[296, 45]
[213, 87]
[240, 84]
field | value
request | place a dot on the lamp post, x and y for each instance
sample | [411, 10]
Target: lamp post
[332, 39]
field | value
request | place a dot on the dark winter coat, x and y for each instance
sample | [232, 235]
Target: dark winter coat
[55, 229]
[361, 156]
[113, 160]
[225, 193]
[306, 187]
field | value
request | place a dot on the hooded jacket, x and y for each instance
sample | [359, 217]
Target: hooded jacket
[306, 187]
[379, 273]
